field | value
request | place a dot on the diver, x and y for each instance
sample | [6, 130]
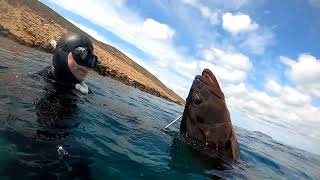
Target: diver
[73, 55]
[47, 145]
[72, 58]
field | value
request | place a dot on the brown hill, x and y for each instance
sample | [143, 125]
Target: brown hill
[34, 24]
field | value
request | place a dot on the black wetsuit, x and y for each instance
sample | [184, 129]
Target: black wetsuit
[49, 74]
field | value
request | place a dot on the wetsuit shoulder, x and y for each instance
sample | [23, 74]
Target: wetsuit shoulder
[46, 72]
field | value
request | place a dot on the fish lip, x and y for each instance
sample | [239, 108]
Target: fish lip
[211, 81]
[209, 73]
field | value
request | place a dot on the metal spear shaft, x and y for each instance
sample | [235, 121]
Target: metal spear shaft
[173, 122]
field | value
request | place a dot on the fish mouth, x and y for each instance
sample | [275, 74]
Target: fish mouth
[210, 78]
[207, 71]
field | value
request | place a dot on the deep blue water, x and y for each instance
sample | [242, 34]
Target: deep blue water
[114, 133]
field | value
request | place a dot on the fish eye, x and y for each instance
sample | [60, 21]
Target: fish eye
[196, 97]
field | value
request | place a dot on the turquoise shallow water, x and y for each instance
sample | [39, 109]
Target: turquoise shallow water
[114, 133]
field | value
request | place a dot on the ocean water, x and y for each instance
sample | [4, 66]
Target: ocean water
[116, 132]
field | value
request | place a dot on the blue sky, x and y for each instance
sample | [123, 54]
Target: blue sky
[265, 54]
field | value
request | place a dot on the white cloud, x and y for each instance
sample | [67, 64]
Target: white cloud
[155, 39]
[259, 104]
[227, 5]
[290, 112]
[257, 41]
[206, 12]
[305, 72]
[162, 74]
[178, 84]
[233, 4]
[157, 30]
[223, 74]
[238, 23]
[287, 61]
[288, 94]
[247, 33]
[150, 36]
[294, 97]
[189, 69]
[230, 60]
[91, 32]
[116, 18]
[274, 87]
[228, 66]
[315, 3]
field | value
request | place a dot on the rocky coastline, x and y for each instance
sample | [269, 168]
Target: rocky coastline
[114, 74]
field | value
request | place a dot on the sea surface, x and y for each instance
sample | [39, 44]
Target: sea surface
[115, 132]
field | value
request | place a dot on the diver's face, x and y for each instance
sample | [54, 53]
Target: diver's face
[79, 72]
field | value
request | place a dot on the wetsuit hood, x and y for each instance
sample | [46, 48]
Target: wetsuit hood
[65, 45]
